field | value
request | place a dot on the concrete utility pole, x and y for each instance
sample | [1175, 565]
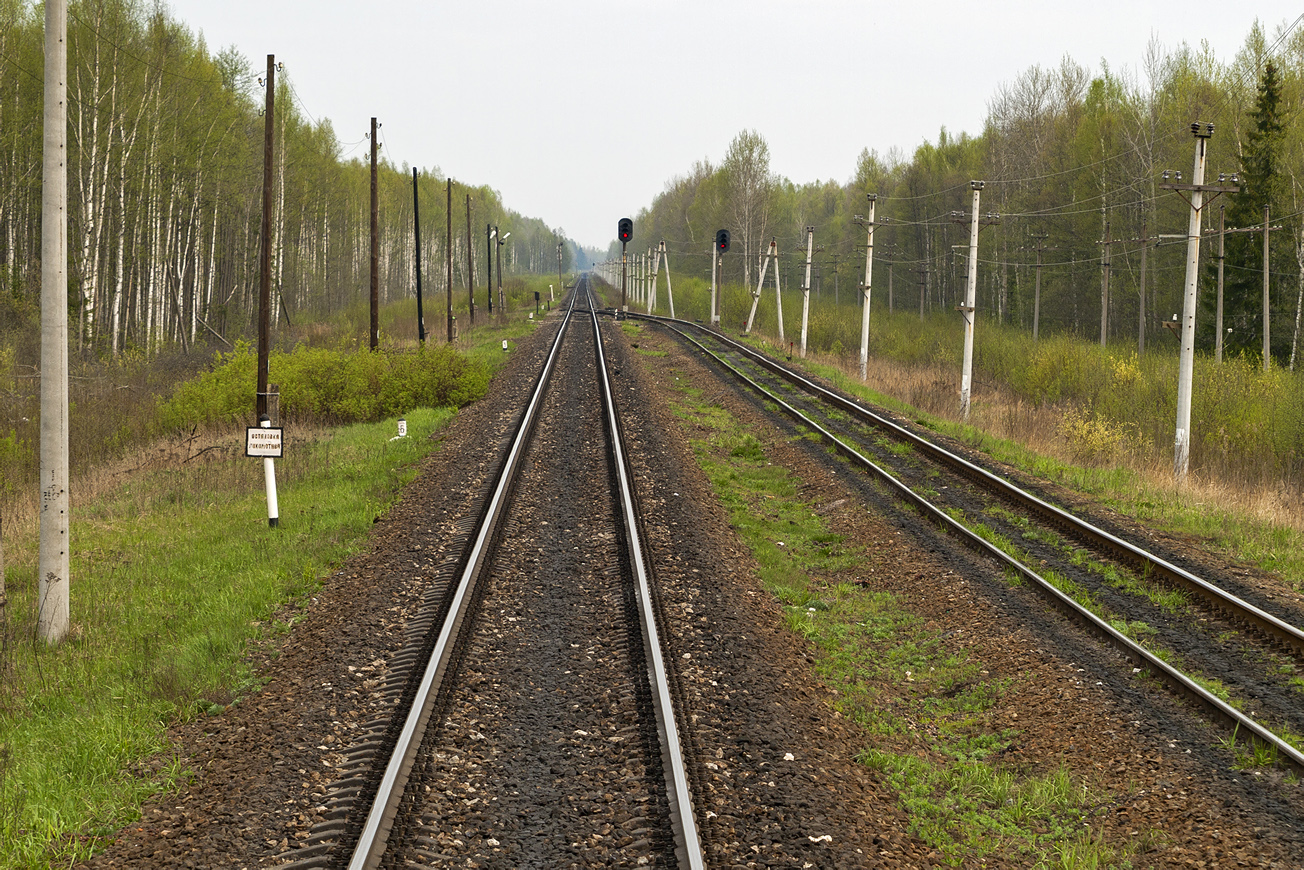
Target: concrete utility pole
[375, 246]
[805, 289]
[970, 302]
[865, 289]
[714, 266]
[416, 232]
[670, 292]
[1186, 361]
[53, 579]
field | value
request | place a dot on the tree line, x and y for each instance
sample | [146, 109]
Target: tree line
[1073, 162]
[165, 155]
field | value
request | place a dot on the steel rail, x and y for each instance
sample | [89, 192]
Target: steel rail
[687, 841]
[1277, 629]
[1228, 716]
[372, 842]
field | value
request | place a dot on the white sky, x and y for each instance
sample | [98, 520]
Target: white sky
[578, 111]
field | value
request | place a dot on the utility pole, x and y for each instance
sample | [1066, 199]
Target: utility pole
[865, 288]
[771, 253]
[416, 231]
[670, 293]
[470, 266]
[1267, 352]
[1141, 317]
[375, 246]
[502, 240]
[1222, 257]
[53, 572]
[448, 244]
[714, 259]
[1036, 292]
[1186, 361]
[1104, 286]
[805, 289]
[265, 241]
[970, 299]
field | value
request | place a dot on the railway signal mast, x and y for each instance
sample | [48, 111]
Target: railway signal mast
[717, 274]
[625, 232]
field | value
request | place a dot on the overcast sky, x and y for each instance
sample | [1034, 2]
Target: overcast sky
[578, 112]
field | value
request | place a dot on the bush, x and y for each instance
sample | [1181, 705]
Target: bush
[326, 386]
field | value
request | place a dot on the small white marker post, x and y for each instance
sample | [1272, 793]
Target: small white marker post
[266, 442]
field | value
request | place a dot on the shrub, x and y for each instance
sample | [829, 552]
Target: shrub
[326, 386]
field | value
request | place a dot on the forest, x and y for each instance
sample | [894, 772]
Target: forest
[1079, 235]
[165, 142]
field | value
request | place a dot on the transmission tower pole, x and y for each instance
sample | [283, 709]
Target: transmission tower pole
[53, 579]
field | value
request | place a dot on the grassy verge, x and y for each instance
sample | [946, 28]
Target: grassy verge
[924, 704]
[176, 576]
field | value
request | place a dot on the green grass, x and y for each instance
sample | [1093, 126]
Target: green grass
[176, 578]
[926, 706]
[175, 575]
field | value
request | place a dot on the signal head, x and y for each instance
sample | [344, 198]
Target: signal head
[625, 229]
[721, 241]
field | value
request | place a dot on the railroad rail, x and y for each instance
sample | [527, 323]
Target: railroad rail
[382, 819]
[1276, 629]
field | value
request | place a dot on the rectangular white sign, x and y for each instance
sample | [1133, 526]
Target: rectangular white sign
[263, 443]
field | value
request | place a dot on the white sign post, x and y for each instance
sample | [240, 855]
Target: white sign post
[266, 442]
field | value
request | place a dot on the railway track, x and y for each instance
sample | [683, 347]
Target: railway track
[1111, 586]
[537, 726]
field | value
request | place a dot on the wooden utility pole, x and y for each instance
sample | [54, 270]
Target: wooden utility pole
[1222, 257]
[1141, 317]
[470, 266]
[448, 246]
[53, 572]
[502, 302]
[1267, 348]
[375, 246]
[1104, 285]
[265, 241]
[1036, 292]
[416, 231]
[489, 265]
